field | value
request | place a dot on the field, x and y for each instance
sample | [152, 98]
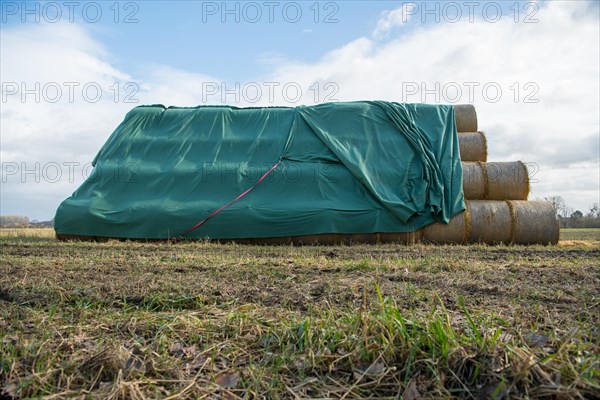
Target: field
[195, 320]
[580, 234]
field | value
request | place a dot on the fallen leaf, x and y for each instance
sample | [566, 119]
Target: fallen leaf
[495, 390]
[330, 254]
[411, 392]
[176, 349]
[375, 369]
[228, 380]
[198, 363]
[535, 340]
[135, 362]
[324, 352]
[9, 391]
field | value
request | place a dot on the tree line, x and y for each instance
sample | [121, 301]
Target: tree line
[20, 221]
[570, 218]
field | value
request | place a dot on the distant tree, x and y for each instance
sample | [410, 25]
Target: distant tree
[558, 203]
[594, 210]
[14, 221]
[577, 215]
[578, 220]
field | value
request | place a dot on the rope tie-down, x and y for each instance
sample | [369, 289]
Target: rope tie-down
[199, 224]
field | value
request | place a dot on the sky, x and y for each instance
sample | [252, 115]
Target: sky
[71, 70]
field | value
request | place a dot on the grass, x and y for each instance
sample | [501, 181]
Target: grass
[580, 234]
[193, 320]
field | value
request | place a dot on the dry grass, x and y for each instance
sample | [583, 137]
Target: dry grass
[193, 320]
[27, 232]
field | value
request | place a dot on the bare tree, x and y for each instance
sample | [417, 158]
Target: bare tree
[558, 203]
[594, 211]
[14, 221]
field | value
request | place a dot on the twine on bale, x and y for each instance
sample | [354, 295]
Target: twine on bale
[468, 228]
[421, 235]
[513, 220]
[485, 145]
[526, 178]
[486, 180]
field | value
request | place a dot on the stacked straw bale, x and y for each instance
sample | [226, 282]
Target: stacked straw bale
[484, 221]
[497, 207]
[496, 193]
[495, 180]
[494, 222]
[466, 118]
[497, 210]
[473, 146]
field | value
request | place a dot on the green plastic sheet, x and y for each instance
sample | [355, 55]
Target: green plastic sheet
[355, 167]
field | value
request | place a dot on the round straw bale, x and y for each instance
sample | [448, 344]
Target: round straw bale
[400, 237]
[466, 118]
[535, 222]
[456, 231]
[274, 241]
[473, 146]
[84, 238]
[495, 181]
[358, 238]
[474, 182]
[322, 238]
[65, 238]
[507, 180]
[491, 222]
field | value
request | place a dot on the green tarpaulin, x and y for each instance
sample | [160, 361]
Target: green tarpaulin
[357, 167]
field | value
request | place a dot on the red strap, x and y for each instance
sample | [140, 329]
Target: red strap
[233, 201]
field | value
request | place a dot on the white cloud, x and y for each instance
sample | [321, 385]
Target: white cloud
[163, 84]
[51, 61]
[394, 18]
[54, 62]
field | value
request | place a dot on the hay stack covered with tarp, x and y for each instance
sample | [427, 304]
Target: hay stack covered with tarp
[369, 171]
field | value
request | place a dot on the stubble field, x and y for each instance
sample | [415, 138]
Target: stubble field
[208, 320]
